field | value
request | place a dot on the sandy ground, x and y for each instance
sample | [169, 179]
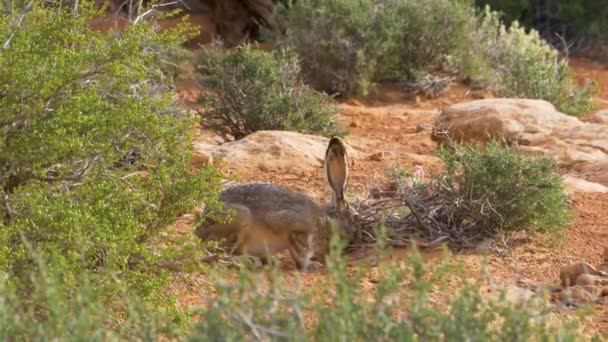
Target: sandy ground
[394, 125]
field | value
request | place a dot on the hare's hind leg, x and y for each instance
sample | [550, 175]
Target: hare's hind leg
[233, 231]
[289, 220]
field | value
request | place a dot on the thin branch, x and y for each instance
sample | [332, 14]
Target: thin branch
[152, 10]
[17, 23]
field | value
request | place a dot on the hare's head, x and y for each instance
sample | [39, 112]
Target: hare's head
[343, 218]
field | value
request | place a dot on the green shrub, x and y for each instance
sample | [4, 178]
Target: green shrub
[57, 311]
[438, 303]
[74, 102]
[493, 189]
[255, 90]
[428, 34]
[576, 21]
[340, 43]
[260, 307]
[346, 46]
[521, 64]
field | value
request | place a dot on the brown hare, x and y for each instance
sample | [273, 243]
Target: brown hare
[267, 218]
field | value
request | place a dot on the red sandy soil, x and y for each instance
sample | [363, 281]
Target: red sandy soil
[393, 124]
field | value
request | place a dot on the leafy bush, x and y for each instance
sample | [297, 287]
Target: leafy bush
[259, 307]
[54, 310]
[521, 64]
[493, 189]
[438, 303]
[340, 43]
[255, 90]
[74, 103]
[346, 46]
[575, 21]
[428, 33]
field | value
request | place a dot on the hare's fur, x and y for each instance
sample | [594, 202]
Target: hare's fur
[568, 274]
[267, 218]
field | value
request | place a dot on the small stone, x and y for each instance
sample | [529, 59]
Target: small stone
[378, 156]
[479, 94]
[263, 167]
[577, 295]
[353, 102]
[518, 295]
[201, 158]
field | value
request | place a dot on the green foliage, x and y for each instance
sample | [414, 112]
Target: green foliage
[74, 104]
[340, 43]
[255, 90]
[428, 34]
[260, 307]
[438, 303]
[521, 64]
[572, 19]
[494, 189]
[346, 46]
[54, 310]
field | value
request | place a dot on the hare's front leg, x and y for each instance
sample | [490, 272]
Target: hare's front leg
[302, 249]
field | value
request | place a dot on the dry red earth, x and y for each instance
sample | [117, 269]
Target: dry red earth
[393, 125]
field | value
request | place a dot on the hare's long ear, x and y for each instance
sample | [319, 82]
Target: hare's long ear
[336, 168]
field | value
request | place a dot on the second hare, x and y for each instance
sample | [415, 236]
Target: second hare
[268, 218]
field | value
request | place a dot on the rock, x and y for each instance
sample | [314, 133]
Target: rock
[604, 267]
[593, 172]
[578, 295]
[518, 295]
[536, 127]
[529, 283]
[201, 157]
[591, 280]
[271, 151]
[599, 117]
[569, 274]
[574, 184]
[479, 120]
[378, 156]
[354, 103]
